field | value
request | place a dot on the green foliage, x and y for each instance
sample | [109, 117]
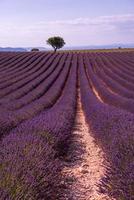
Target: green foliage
[35, 49]
[56, 42]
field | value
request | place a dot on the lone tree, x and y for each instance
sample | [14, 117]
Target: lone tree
[56, 42]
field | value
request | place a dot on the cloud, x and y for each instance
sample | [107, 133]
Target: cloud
[97, 30]
[102, 23]
[115, 19]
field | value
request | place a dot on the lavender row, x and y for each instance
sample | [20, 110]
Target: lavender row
[28, 168]
[111, 83]
[119, 66]
[57, 120]
[118, 78]
[39, 91]
[10, 119]
[5, 66]
[120, 70]
[31, 68]
[35, 141]
[22, 68]
[106, 95]
[37, 71]
[14, 63]
[111, 128]
[125, 60]
[117, 60]
[22, 92]
[6, 57]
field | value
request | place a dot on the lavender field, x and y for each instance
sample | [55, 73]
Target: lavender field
[39, 94]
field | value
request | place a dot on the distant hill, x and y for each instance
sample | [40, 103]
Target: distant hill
[11, 49]
[112, 46]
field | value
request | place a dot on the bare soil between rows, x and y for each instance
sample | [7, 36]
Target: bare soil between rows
[83, 163]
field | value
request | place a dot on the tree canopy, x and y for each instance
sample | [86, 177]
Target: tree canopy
[35, 49]
[56, 42]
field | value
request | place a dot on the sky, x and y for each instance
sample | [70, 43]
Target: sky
[29, 23]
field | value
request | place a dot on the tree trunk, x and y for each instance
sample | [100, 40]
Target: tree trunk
[55, 49]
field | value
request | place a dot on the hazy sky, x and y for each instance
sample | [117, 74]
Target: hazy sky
[80, 22]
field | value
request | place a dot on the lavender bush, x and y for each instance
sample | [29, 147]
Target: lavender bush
[35, 88]
[7, 65]
[30, 169]
[106, 95]
[113, 129]
[19, 69]
[10, 119]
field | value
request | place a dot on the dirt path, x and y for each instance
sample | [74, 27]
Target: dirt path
[83, 163]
